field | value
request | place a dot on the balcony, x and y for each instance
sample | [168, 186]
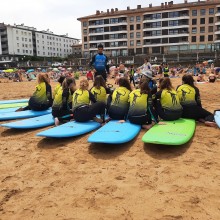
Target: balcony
[167, 19]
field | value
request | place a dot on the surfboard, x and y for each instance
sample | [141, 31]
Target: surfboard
[115, 133]
[31, 123]
[70, 129]
[171, 133]
[13, 105]
[23, 114]
[217, 118]
[4, 110]
[13, 101]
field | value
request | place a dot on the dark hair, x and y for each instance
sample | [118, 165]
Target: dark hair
[188, 79]
[100, 46]
[166, 84]
[99, 81]
[144, 87]
[67, 82]
[61, 79]
[124, 83]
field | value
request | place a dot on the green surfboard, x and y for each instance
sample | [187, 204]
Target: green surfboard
[171, 132]
[13, 105]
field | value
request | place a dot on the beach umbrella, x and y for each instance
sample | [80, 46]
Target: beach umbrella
[55, 70]
[39, 68]
[210, 61]
[69, 68]
[60, 68]
[30, 70]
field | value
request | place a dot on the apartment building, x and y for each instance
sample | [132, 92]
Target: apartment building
[169, 28]
[21, 40]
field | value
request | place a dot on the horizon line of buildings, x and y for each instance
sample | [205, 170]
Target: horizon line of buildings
[21, 40]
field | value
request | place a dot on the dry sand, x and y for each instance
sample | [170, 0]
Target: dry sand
[72, 179]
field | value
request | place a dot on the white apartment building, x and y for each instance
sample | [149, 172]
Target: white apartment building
[20, 40]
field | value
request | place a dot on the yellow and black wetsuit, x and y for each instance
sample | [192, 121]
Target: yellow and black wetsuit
[62, 103]
[140, 110]
[58, 86]
[167, 105]
[82, 110]
[99, 94]
[190, 100]
[41, 99]
[118, 103]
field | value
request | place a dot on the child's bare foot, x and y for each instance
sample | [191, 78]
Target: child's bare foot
[210, 124]
[147, 127]
[121, 121]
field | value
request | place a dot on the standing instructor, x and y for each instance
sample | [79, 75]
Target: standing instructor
[99, 62]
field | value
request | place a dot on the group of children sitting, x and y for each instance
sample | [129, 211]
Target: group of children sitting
[144, 106]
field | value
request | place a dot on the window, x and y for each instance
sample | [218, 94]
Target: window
[211, 20]
[173, 14]
[18, 50]
[194, 21]
[156, 33]
[201, 46]
[17, 38]
[84, 24]
[193, 39]
[202, 12]
[17, 44]
[131, 43]
[16, 31]
[210, 37]
[194, 12]
[210, 28]
[138, 35]
[138, 26]
[85, 38]
[156, 16]
[173, 23]
[211, 11]
[138, 18]
[193, 47]
[202, 38]
[131, 27]
[85, 46]
[131, 35]
[132, 19]
[202, 20]
[202, 29]
[156, 24]
[194, 30]
[138, 43]
[29, 40]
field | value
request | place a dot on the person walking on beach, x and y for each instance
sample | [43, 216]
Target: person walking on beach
[100, 63]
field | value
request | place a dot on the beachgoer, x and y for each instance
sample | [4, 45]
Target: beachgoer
[100, 63]
[151, 83]
[62, 103]
[166, 101]
[118, 102]
[42, 97]
[82, 109]
[190, 100]
[166, 70]
[141, 109]
[58, 86]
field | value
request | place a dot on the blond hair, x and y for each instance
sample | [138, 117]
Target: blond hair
[84, 84]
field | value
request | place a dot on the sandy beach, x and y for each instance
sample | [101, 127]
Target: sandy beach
[70, 179]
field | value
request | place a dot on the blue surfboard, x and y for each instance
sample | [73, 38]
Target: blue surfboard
[23, 114]
[4, 110]
[13, 101]
[70, 129]
[36, 122]
[217, 118]
[115, 133]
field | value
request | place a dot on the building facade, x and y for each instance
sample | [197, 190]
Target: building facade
[20, 40]
[169, 28]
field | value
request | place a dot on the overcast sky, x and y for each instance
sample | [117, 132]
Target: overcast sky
[60, 16]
